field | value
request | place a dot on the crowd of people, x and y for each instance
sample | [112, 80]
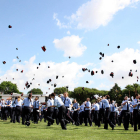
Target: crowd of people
[61, 109]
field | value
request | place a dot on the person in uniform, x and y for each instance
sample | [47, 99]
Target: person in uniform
[19, 103]
[13, 105]
[50, 111]
[68, 104]
[62, 110]
[0, 107]
[131, 114]
[87, 112]
[76, 113]
[101, 111]
[112, 116]
[136, 115]
[36, 108]
[8, 108]
[96, 113]
[107, 113]
[81, 113]
[126, 105]
[28, 103]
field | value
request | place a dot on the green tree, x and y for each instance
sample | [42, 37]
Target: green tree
[115, 93]
[8, 87]
[35, 91]
[60, 90]
[135, 85]
[130, 88]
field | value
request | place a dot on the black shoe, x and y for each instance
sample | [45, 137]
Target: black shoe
[64, 128]
[126, 128]
[135, 130]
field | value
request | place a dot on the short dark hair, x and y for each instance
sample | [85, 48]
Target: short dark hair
[53, 94]
[107, 96]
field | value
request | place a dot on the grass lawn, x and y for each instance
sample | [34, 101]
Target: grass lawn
[40, 131]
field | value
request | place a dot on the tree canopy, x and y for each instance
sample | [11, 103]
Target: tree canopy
[7, 87]
[35, 91]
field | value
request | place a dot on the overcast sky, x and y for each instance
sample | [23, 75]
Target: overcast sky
[76, 28]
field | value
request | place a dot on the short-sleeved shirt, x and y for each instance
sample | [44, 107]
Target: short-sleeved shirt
[67, 101]
[19, 103]
[36, 104]
[96, 106]
[50, 102]
[88, 104]
[105, 102]
[27, 102]
[135, 102]
[125, 106]
[75, 105]
[58, 102]
[82, 108]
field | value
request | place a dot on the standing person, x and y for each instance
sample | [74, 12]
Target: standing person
[8, 108]
[92, 112]
[50, 110]
[13, 118]
[96, 113]
[126, 105]
[68, 104]
[136, 109]
[56, 117]
[101, 111]
[107, 113]
[76, 113]
[81, 115]
[28, 103]
[19, 103]
[3, 110]
[87, 112]
[113, 113]
[131, 114]
[62, 110]
[36, 108]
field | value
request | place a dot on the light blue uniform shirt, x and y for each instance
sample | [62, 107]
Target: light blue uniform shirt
[75, 105]
[67, 101]
[19, 103]
[27, 102]
[96, 106]
[50, 102]
[101, 107]
[131, 107]
[112, 107]
[88, 104]
[14, 103]
[58, 102]
[105, 102]
[36, 104]
[125, 106]
[82, 108]
[135, 102]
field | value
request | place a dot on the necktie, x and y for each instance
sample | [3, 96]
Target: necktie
[127, 107]
[64, 100]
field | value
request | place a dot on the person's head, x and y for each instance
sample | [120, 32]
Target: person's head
[66, 94]
[18, 98]
[59, 95]
[30, 96]
[36, 98]
[126, 97]
[107, 97]
[53, 95]
[112, 101]
[74, 101]
[137, 96]
[88, 99]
